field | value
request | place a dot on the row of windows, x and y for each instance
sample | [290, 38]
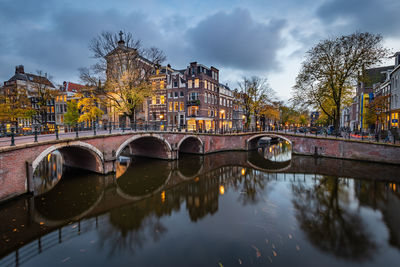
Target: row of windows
[161, 84]
[158, 100]
[176, 94]
[61, 108]
[210, 98]
[225, 102]
[176, 106]
[61, 98]
[193, 96]
[193, 83]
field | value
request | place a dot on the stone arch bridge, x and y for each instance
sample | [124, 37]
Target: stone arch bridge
[99, 153]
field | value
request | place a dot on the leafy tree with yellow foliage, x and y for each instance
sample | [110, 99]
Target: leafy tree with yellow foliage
[71, 117]
[14, 104]
[88, 105]
[375, 114]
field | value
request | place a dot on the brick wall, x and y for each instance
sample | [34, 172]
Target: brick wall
[101, 152]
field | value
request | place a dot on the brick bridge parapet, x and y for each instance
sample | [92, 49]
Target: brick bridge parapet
[99, 153]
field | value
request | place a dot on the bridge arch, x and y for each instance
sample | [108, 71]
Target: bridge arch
[75, 154]
[191, 144]
[251, 143]
[148, 145]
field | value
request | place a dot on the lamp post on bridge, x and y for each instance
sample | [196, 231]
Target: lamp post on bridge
[222, 122]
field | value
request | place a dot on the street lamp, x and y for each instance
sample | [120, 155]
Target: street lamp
[161, 118]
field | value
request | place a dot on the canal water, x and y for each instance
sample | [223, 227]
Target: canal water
[259, 208]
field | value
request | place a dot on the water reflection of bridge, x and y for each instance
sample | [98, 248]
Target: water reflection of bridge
[47, 227]
[49, 240]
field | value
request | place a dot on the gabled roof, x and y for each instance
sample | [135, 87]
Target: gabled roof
[31, 78]
[73, 87]
[375, 75]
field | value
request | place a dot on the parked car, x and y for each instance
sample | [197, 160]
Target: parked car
[330, 130]
[302, 130]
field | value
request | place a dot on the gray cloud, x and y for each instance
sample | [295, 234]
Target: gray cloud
[60, 44]
[236, 40]
[367, 15]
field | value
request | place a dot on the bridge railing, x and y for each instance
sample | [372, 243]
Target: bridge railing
[11, 137]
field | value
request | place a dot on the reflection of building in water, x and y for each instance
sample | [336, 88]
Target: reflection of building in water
[279, 152]
[128, 225]
[202, 197]
[48, 172]
[122, 166]
[384, 197]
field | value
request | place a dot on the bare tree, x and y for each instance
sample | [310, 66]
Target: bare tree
[256, 94]
[332, 68]
[43, 94]
[124, 68]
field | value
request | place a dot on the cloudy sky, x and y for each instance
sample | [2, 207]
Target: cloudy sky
[267, 38]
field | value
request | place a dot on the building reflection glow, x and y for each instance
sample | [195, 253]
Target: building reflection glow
[48, 173]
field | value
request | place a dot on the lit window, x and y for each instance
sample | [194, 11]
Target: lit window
[196, 83]
[181, 106]
[176, 106]
[161, 84]
[205, 84]
[170, 106]
[153, 100]
[190, 84]
[162, 99]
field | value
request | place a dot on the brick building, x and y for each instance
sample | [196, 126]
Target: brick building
[226, 109]
[202, 97]
[33, 86]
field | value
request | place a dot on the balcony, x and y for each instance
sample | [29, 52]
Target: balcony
[193, 103]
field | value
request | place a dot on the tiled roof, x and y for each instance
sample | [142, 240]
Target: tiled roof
[375, 75]
[73, 87]
[32, 78]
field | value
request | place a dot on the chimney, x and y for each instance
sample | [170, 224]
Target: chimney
[19, 69]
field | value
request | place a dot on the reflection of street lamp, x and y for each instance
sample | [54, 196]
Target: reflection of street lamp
[221, 189]
[161, 116]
